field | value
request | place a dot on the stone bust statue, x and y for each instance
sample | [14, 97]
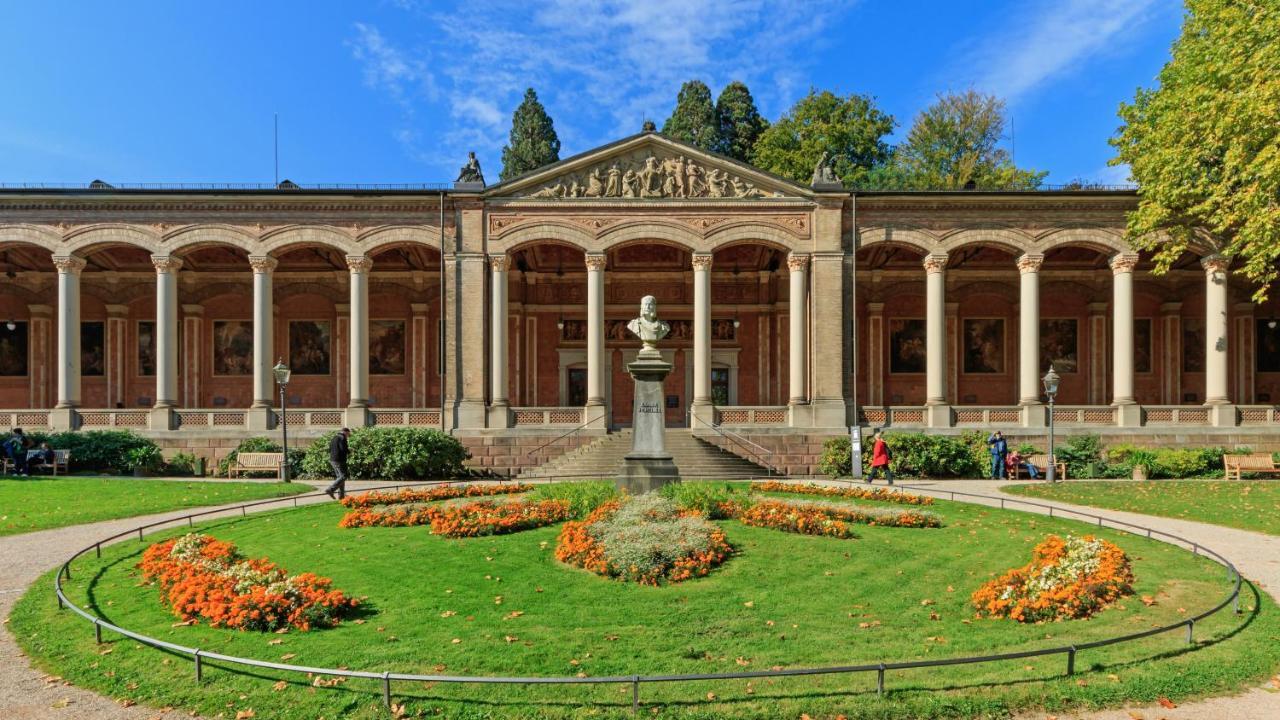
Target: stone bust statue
[648, 327]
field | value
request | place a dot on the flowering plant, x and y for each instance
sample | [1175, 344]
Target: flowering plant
[813, 518]
[441, 492]
[646, 539]
[1073, 577]
[489, 518]
[202, 577]
[853, 493]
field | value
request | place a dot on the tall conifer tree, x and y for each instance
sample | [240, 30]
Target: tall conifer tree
[694, 119]
[739, 121]
[533, 141]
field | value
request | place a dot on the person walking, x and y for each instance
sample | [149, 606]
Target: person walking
[999, 449]
[880, 457]
[338, 452]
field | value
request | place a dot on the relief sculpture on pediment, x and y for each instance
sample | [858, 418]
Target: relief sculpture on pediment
[650, 176]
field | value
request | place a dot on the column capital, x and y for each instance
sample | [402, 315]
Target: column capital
[935, 262]
[1214, 264]
[1030, 262]
[1123, 263]
[702, 261]
[596, 261]
[359, 264]
[499, 263]
[166, 263]
[797, 262]
[69, 264]
[263, 264]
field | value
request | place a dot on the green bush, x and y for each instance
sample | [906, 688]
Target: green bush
[391, 453]
[837, 457]
[256, 445]
[1165, 463]
[146, 458]
[707, 498]
[582, 497]
[97, 450]
[1082, 455]
[914, 454]
[182, 463]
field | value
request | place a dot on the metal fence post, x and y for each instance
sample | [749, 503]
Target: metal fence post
[1071, 660]
[139, 534]
[66, 571]
[199, 667]
[635, 694]
[880, 680]
[97, 631]
[386, 688]
[1191, 624]
[98, 547]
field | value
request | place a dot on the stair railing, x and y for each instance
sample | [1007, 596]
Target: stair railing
[759, 454]
[574, 432]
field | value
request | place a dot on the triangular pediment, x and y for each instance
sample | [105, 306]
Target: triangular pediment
[648, 167]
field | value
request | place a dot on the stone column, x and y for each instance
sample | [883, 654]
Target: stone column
[357, 414]
[1222, 413]
[596, 412]
[1029, 339]
[499, 410]
[260, 416]
[702, 407]
[938, 413]
[63, 416]
[798, 342]
[162, 415]
[1128, 414]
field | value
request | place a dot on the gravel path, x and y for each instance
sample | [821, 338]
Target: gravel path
[28, 694]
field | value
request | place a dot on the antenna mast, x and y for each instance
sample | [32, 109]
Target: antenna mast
[275, 143]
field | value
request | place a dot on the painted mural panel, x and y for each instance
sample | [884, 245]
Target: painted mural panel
[907, 345]
[1060, 344]
[146, 348]
[1193, 344]
[93, 349]
[13, 349]
[984, 345]
[386, 347]
[1142, 345]
[309, 347]
[232, 347]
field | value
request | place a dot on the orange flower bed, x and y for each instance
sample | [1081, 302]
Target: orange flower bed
[1074, 577]
[202, 578]
[830, 520]
[441, 492]
[853, 493]
[651, 548]
[489, 518]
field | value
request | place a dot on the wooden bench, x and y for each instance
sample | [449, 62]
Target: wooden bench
[1041, 464]
[1252, 463]
[257, 462]
[61, 459]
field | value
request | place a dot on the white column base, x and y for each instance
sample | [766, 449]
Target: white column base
[259, 419]
[800, 415]
[499, 415]
[704, 415]
[1128, 415]
[470, 414]
[1222, 415]
[596, 417]
[162, 418]
[1034, 415]
[64, 418]
[356, 417]
[829, 414]
[937, 416]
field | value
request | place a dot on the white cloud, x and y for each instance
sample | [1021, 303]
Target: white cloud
[1047, 40]
[601, 66]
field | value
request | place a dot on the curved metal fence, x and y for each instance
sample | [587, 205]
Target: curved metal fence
[200, 656]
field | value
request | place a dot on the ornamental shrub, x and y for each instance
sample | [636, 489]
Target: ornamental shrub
[98, 450]
[581, 497]
[1082, 455]
[914, 455]
[393, 453]
[182, 463]
[712, 500]
[837, 457]
[261, 444]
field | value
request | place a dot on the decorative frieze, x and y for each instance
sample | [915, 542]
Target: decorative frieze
[649, 175]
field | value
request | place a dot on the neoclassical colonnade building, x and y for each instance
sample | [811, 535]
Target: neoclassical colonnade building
[498, 313]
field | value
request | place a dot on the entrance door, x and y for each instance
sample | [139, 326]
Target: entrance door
[720, 386]
[577, 387]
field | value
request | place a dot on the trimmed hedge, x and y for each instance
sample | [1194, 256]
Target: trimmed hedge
[392, 453]
[109, 451]
[914, 455]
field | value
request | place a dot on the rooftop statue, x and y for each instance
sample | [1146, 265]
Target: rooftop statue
[470, 173]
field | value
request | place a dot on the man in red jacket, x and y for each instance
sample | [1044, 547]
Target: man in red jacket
[880, 457]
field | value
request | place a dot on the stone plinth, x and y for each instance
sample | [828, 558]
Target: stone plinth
[648, 466]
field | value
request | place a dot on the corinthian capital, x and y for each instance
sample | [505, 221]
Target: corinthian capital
[499, 263]
[1123, 263]
[701, 262]
[166, 263]
[1030, 263]
[359, 263]
[1214, 264]
[935, 263]
[262, 264]
[797, 262]
[70, 264]
[596, 261]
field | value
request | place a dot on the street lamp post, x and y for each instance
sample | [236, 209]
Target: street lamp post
[1051, 381]
[281, 371]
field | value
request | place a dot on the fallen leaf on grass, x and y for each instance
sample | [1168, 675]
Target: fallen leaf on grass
[358, 621]
[184, 623]
[446, 613]
[106, 651]
[510, 638]
[288, 656]
[61, 703]
[245, 714]
[610, 638]
[280, 685]
[126, 702]
[742, 661]
[1148, 600]
[1136, 715]
[513, 615]
[934, 616]
[327, 682]
[711, 696]
[456, 641]
[926, 601]
[749, 603]
[1166, 703]
[277, 641]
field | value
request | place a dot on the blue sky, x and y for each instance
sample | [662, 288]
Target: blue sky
[398, 91]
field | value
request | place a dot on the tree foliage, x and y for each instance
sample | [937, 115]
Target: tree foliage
[1204, 146]
[955, 142]
[694, 118]
[851, 130]
[739, 123]
[533, 142]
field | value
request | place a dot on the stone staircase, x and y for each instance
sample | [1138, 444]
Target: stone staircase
[694, 458]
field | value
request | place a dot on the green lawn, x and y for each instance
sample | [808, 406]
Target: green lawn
[1248, 504]
[40, 503]
[445, 606]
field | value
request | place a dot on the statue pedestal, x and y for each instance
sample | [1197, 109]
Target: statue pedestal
[648, 466]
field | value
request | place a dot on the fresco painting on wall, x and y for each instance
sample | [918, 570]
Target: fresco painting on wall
[906, 345]
[386, 347]
[146, 348]
[1059, 345]
[232, 347]
[13, 350]
[1193, 344]
[1142, 345]
[1268, 345]
[309, 347]
[984, 345]
[93, 351]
